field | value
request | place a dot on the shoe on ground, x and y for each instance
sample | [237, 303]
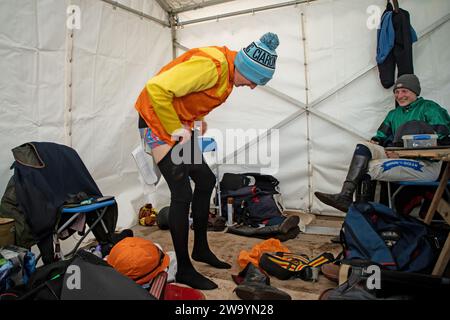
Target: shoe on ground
[330, 271]
[260, 291]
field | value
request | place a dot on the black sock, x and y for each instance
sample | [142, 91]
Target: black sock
[210, 258]
[194, 279]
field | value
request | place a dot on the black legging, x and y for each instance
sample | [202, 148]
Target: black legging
[177, 177]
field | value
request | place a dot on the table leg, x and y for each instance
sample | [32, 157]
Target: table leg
[438, 195]
[443, 206]
[443, 259]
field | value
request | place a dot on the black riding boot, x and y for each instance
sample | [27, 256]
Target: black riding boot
[344, 199]
[282, 228]
[256, 286]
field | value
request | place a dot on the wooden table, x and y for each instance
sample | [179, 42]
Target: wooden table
[438, 203]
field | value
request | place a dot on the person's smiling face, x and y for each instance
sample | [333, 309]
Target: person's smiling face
[404, 97]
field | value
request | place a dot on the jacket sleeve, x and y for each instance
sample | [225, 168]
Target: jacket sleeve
[194, 75]
[439, 119]
[384, 132]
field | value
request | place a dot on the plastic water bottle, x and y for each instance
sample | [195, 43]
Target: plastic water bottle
[230, 211]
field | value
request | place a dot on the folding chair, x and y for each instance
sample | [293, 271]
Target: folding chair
[98, 206]
[403, 184]
[49, 176]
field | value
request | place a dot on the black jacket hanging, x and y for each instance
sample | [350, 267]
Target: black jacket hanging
[401, 55]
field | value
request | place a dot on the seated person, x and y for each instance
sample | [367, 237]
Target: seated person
[371, 158]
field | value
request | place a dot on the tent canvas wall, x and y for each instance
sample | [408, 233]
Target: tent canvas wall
[78, 86]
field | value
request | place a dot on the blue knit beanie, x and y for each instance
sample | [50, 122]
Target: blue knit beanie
[257, 61]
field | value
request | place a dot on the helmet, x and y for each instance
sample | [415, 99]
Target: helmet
[162, 219]
[139, 259]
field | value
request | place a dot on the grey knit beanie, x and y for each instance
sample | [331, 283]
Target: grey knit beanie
[408, 81]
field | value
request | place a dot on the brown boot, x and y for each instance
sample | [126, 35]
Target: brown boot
[330, 271]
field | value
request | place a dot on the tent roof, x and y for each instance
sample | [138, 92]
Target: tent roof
[177, 6]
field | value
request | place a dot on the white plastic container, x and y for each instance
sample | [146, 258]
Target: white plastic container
[420, 140]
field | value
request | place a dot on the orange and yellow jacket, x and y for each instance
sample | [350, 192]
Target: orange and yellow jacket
[186, 90]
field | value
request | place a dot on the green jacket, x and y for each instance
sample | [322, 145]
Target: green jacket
[9, 207]
[422, 110]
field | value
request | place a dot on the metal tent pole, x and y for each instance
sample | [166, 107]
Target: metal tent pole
[200, 5]
[173, 23]
[136, 12]
[308, 117]
[247, 11]
[68, 84]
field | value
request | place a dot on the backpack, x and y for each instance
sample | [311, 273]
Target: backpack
[355, 288]
[256, 197]
[374, 232]
[392, 285]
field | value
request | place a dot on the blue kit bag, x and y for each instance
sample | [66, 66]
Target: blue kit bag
[372, 231]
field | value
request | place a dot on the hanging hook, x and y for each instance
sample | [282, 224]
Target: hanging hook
[395, 3]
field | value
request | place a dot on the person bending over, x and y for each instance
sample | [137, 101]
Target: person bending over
[181, 94]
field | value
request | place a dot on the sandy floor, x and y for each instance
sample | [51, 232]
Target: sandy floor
[227, 247]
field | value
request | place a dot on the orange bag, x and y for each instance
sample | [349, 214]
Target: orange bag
[269, 245]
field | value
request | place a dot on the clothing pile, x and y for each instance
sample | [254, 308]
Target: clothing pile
[271, 258]
[16, 267]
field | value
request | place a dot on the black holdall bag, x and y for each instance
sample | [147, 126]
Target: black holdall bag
[235, 181]
[98, 281]
[255, 197]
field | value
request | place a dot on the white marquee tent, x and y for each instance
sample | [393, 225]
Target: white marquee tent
[71, 71]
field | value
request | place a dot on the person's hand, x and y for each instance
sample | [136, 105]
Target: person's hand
[392, 154]
[374, 142]
[182, 135]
